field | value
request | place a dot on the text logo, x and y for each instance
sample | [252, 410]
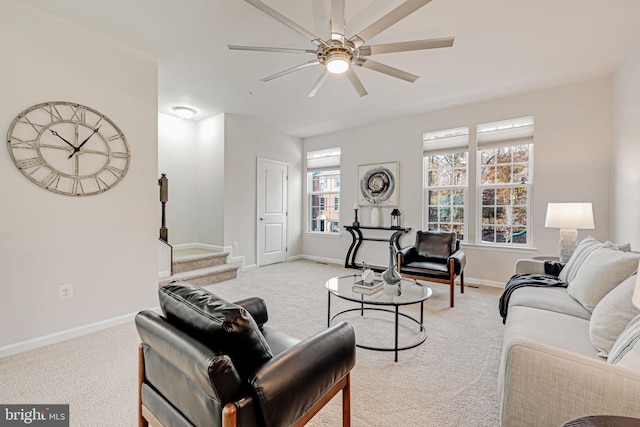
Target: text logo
[34, 415]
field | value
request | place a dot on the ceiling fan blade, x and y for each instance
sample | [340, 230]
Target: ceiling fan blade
[400, 12]
[406, 46]
[285, 21]
[355, 82]
[271, 49]
[385, 69]
[316, 86]
[290, 70]
[337, 19]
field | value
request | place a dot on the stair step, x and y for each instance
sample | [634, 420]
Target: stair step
[182, 263]
[205, 276]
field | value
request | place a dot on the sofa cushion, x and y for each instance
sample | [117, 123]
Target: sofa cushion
[438, 245]
[626, 349]
[612, 314]
[219, 324]
[548, 298]
[601, 271]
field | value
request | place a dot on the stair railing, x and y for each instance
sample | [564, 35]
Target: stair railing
[163, 183]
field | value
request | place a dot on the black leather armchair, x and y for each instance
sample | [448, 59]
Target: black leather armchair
[435, 257]
[209, 362]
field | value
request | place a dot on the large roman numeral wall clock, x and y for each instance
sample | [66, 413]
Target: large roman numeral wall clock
[68, 148]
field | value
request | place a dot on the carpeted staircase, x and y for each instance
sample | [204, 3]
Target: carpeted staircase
[201, 267]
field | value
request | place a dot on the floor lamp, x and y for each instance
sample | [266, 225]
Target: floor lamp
[569, 217]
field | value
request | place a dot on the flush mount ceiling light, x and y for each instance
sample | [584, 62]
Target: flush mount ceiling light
[339, 54]
[184, 112]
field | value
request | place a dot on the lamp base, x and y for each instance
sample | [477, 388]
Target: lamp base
[568, 243]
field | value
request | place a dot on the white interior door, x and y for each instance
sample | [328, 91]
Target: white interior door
[272, 212]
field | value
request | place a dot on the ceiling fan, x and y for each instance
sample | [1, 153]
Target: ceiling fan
[338, 54]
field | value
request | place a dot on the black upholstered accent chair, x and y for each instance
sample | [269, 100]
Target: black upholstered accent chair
[435, 257]
[209, 362]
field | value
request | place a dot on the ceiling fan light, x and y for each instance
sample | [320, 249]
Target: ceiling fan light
[338, 64]
[184, 112]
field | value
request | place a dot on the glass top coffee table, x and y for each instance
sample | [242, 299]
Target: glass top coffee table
[387, 299]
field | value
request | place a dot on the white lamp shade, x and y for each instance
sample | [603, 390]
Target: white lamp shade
[569, 215]
[636, 292]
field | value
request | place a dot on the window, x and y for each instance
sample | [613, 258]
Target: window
[323, 189]
[505, 181]
[445, 166]
[499, 167]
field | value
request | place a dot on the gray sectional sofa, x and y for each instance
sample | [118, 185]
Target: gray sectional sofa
[569, 351]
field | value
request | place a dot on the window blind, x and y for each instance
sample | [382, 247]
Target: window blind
[506, 132]
[327, 159]
[445, 141]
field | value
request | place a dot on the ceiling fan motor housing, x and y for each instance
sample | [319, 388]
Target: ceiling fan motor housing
[337, 51]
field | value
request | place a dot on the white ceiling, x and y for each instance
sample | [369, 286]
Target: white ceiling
[502, 47]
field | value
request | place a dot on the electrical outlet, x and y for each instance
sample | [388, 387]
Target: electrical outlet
[65, 291]
[235, 245]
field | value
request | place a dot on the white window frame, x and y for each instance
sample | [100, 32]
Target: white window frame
[323, 161]
[450, 141]
[506, 133]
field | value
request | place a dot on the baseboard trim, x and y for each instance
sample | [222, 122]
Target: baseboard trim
[322, 259]
[202, 246]
[295, 258]
[482, 282]
[56, 337]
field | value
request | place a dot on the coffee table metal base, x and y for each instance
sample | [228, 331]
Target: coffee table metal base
[396, 348]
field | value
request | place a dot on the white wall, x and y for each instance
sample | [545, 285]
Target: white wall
[245, 141]
[625, 222]
[105, 245]
[210, 181]
[572, 164]
[177, 158]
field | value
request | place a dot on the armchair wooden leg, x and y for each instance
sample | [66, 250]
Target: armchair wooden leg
[462, 282]
[142, 422]
[346, 403]
[451, 293]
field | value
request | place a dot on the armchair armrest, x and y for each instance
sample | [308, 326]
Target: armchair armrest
[291, 383]
[256, 307]
[530, 266]
[408, 254]
[460, 260]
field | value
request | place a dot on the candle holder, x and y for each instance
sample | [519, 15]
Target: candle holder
[356, 223]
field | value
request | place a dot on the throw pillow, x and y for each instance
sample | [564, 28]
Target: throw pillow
[601, 271]
[219, 324]
[583, 250]
[626, 350]
[612, 314]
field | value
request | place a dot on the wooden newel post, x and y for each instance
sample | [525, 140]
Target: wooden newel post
[163, 182]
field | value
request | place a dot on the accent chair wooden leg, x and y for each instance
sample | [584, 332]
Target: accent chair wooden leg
[230, 415]
[346, 403]
[142, 422]
[451, 293]
[462, 282]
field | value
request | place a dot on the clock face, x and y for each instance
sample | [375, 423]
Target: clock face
[68, 148]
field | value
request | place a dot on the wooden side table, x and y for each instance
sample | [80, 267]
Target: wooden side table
[603, 421]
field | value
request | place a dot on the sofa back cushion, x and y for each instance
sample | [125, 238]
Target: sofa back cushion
[611, 315]
[601, 271]
[583, 250]
[433, 244]
[219, 324]
[626, 349]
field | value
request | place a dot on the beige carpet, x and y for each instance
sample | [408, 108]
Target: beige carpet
[450, 380]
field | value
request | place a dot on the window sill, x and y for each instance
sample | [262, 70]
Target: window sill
[322, 234]
[499, 248]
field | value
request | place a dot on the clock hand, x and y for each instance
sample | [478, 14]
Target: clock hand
[58, 135]
[76, 149]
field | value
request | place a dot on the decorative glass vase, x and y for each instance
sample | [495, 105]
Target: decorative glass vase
[375, 216]
[391, 276]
